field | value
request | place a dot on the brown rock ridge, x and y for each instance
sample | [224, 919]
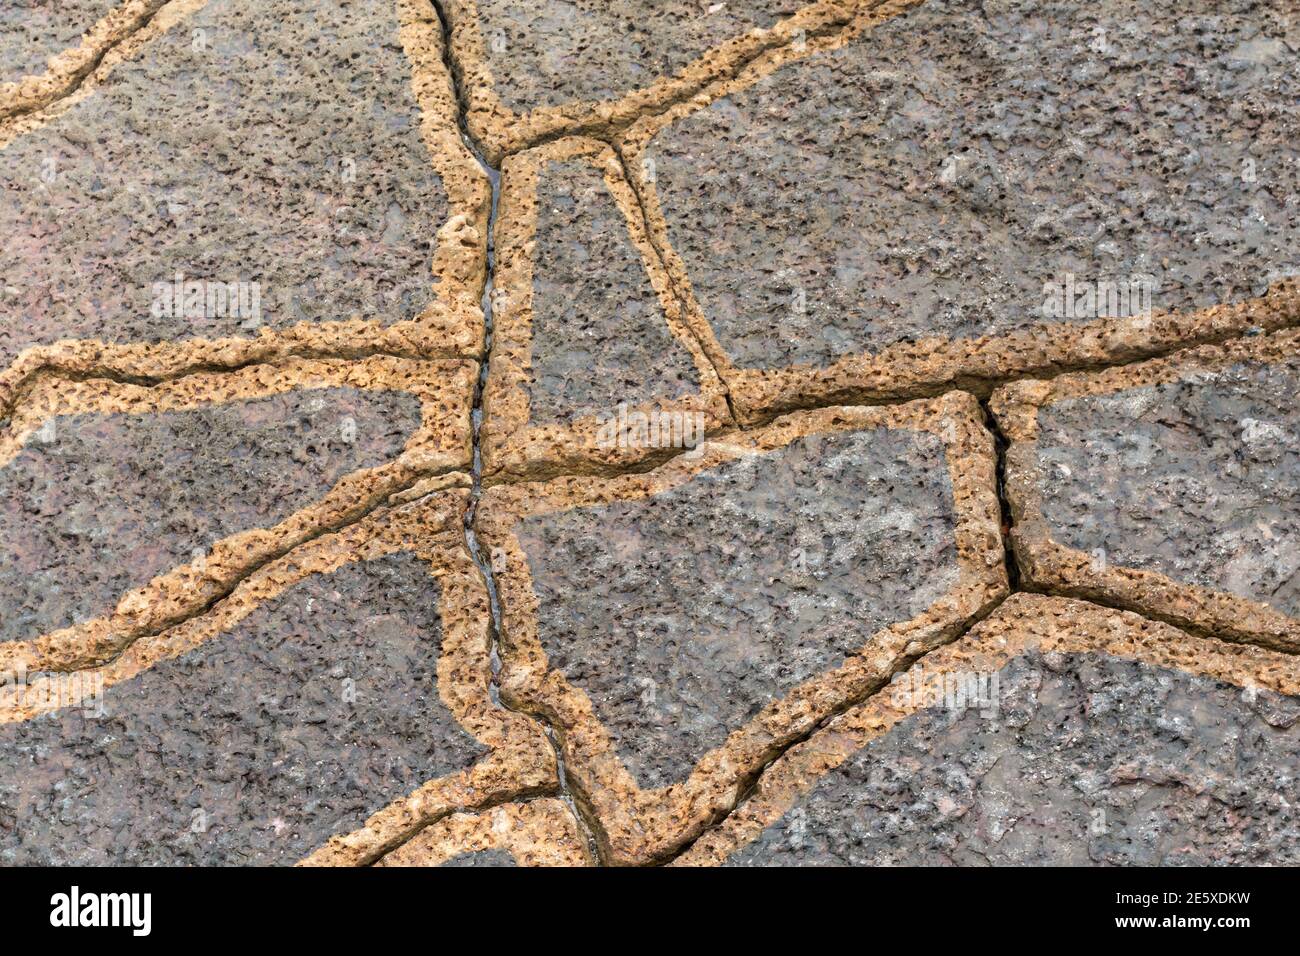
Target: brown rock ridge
[536, 833]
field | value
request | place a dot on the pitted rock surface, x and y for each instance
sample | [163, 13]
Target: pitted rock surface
[1197, 479]
[102, 503]
[542, 53]
[483, 858]
[317, 710]
[1088, 760]
[935, 176]
[224, 153]
[683, 615]
[32, 31]
[599, 338]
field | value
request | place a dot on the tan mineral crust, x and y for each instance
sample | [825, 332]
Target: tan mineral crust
[638, 432]
[538, 833]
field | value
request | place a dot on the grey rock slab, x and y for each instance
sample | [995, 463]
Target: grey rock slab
[682, 615]
[225, 153]
[100, 504]
[599, 338]
[936, 175]
[250, 749]
[488, 858]
[1196, 479]
[1088, 760]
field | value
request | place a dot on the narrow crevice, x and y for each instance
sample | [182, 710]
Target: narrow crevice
[566, 793]
[982, 392]
[74, 82]
[1000, 446]
[984, 387]
[749, 783]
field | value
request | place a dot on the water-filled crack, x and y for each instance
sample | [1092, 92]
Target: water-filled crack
[476, 419]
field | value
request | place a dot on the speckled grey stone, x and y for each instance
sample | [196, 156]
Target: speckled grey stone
[1197, 479]
[817, 217]
[253, 729]
[599, 335]
[32, 31]
[683, 615]
[227, 163]
[1089, 760]
[483, 858]
[106, 502]
[546, 53]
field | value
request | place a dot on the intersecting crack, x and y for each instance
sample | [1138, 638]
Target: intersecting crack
[576, 806]
[750, 782]
[610, 134]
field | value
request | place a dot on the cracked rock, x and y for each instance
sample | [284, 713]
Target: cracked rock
[949, 175]
[311, 714]
[1055, 733]
[1169, 485]
[258, 166]
[98, 504]
[680, 623]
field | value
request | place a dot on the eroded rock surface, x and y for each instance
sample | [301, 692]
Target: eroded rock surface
[314, 712]
[548, 54]
[33, 31]
[268, 143]
[599, 338]
[1087, 760]
[95, 505]
[682, 615]
[1197, 479]
[933, 176]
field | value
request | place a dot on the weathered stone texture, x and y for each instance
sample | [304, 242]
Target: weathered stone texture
[314, 712]
[95, 505]
[599, 337]
[225, 152]
[32, 31]
[682, 615]
[1197, 479]
[542, 53]
[931, 176]
[1088, 760]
